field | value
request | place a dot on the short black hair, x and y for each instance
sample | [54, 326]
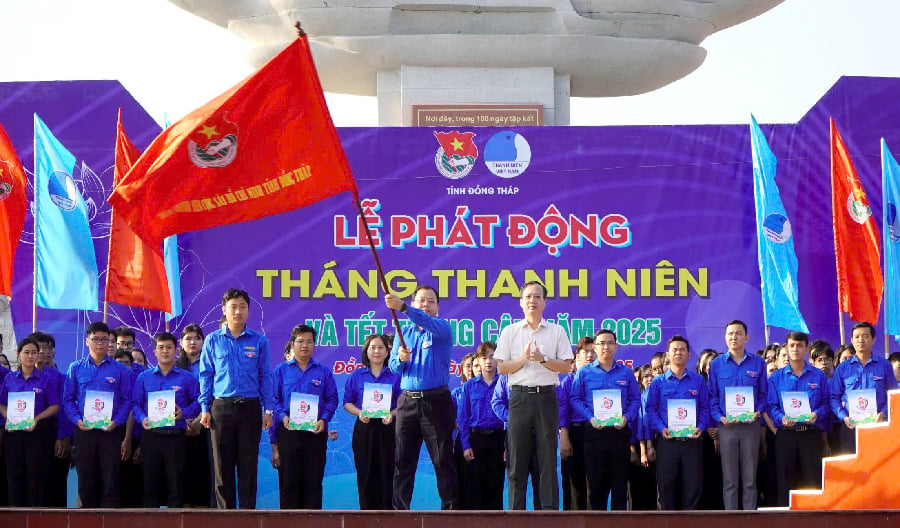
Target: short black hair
[820, 348]
[124, 353]
[895, 356]
[125, 331]
[163, 336]
[606, 331]
[365, 348]
[532, 283]
[303, 329]
[675, 338]
[738, 322]
[93, 328]
[43, 337]
[234, 293]
[584, 342]
[24, 342]
[864, 324]
[797, 336]
[426, 287]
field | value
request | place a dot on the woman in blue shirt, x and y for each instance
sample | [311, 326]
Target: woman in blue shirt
[28, 450]
[373, 438]
[299, 385]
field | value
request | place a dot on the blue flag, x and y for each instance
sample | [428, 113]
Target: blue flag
[65, 266]
[890, 185]
[173, 274]
[777, 260]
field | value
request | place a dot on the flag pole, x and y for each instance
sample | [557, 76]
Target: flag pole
[841, 321]
[767, 335]
[34, 253]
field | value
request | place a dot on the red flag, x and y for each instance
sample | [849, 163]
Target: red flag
[135, 275]
[857, 248]
[457, 143]
[13, 204]
[264, 147]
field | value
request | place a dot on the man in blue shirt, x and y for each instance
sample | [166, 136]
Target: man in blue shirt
[235, 400]
[863, 371]
[99, 448]
[425, 409]
[679, 459]
[302, 453]
[483, 438]
[163, 446]
[607, 447]
[738, 435]
[799, 442]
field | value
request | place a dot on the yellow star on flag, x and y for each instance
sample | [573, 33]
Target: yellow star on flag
[209, 131]
[457, 144]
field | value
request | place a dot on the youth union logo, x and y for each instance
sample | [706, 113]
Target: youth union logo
[63, 191]
[740, 399]
[859, 211]
[681, 413]
[214, 144]
[795, 403]
[21, 405]
[456, 155]
[507, 154]
[862, 403]
[377, 396]
[304, 407]
[98, 405]
[161, 404]
[607, 403]
[5, 174]
[777, 228]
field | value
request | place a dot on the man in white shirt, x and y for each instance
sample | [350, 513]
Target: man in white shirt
[532, 352]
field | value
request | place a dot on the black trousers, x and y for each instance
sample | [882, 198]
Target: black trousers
[642, 481]
[131, 476]
[373, 454]
[235, 432]
[164, 455]
[28, 457]
[799, 455]
[679, 472]
[711, 497]
[58, 472]
[430, 419]
[606, 456]
[483, 477]
[198, 475]
[574, 479]
[533, 422]
[302, 468]
[98, 465]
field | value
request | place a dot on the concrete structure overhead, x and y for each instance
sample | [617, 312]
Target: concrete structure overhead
[486, 51]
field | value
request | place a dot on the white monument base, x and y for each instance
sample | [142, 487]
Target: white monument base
[398, 90]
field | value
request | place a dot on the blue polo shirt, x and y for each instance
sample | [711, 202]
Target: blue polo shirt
[500, 399]
[108, 376]
[812, 381]
[186, 388]
[852, 375]
[725, 372]
[46, 392]
[563, 400]
[593, 377]
[355, 386]
[317, 380]
[235, 366]
[667, 387]
[64, 426]
[430, 342]
[475, 409]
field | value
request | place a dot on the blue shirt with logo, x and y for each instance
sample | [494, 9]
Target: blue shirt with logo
[46, 392]
[429, 341]
[317, 380]
[667, 387]
[64, 426]
[186, 388]
[355, 386]
[475, 409]
[235, 366]
[500, 399]
[108, 376]
[593, 377]
[725, 372]
[812, 381]
[876, 374]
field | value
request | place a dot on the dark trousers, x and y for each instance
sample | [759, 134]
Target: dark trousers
[459, 462]
[373, 454]
[58, 472]
[574, 479]
[236, 428]
[98, 465]
[198, 475]
[534, 473]
[799, 456]
[484, 476]
[711, 497]
[642, 481]
[164, 456]
[606, 455]
[131, 477]
[533, 421]
[27, 465]
[847, 439]
[430, 419]
[4, 492]
[679, 472]
[302, 468]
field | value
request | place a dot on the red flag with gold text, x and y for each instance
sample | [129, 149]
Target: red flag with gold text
[135, 274]
[264, 147]
[13, 205]
[857, 241]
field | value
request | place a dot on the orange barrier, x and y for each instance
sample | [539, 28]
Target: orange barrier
[866, 480]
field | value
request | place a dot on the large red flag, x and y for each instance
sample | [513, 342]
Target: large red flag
[13, 205]
[135, 275]
[857, 241]
[264, 147]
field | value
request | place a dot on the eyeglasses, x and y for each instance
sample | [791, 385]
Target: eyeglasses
[98, 340]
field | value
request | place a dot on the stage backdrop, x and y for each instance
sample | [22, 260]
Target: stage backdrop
[649, 231]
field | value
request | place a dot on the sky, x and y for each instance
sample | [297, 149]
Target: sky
[775, 66]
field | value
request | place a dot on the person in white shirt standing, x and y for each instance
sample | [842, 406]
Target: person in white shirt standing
[532, 352]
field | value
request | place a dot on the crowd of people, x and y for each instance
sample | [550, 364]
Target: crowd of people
[738, 431]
